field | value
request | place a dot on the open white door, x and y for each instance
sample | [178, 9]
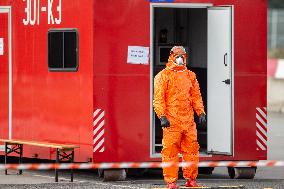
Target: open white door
[220, 124]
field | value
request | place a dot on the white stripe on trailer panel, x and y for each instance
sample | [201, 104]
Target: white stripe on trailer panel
[261, 129]
[102, 150]
[98, 124]
[99, 145]
[96, 112]
[261, 138]
[99, 136]
[261, 120]
[260, 145]
[99, 118]
[99, 127]
[262, 113]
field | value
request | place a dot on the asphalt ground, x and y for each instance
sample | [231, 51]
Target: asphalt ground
[89, 179]
[266, 178]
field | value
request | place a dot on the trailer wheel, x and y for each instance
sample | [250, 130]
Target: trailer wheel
[242, 172]
[114, 175]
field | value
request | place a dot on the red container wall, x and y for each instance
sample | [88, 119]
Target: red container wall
[58, 106]
[4, 76]
[123, 90]
[51, 106]
[250, 75]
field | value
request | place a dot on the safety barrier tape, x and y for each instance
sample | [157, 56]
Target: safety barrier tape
[49, 166]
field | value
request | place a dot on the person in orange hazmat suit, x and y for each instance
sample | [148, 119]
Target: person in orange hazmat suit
[176, 97]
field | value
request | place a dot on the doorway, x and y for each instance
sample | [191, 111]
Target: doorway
[196, 28]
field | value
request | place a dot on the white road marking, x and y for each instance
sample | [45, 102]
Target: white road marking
[81, 181]
[116, 185]
[122, 186]
[60, 178]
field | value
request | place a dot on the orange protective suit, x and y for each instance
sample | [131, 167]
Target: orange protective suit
[177, 96]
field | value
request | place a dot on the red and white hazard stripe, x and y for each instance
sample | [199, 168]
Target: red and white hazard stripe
[99, 130]
[261, 128]
[126, 165]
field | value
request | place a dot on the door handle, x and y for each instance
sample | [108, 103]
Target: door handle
[227, 81]
[225, 59]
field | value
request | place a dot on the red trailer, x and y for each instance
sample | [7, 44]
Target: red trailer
[81, 72]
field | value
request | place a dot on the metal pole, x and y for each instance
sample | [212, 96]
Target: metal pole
[72, 161]
[21, 158]
[6, 151]
[57, 161]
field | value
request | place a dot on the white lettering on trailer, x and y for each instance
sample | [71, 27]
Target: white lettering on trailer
[50, 15]
[27, 11]
[58, 20]
[1, 46]
[34, 9]
[33, 12]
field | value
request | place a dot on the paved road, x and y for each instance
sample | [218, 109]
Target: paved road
[265, 177]
[45, 180]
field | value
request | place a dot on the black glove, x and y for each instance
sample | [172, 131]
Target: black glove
[202, 119]
[164, 121]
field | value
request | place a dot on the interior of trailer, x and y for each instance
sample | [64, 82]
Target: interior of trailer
[186, 27]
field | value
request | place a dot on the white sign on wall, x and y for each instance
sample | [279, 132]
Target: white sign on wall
[1, 46]
[138, 55]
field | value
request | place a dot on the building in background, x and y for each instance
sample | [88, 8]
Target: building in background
[275, 28]
[275, 40]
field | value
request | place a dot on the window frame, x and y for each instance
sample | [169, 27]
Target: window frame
[63, 30]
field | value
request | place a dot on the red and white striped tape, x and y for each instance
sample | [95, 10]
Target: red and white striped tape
[140, 165]
[261, 128]
[275, 68]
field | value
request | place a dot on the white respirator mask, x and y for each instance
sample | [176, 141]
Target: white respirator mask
[179, 61]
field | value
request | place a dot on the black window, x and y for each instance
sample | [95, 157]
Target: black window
[63, 50]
